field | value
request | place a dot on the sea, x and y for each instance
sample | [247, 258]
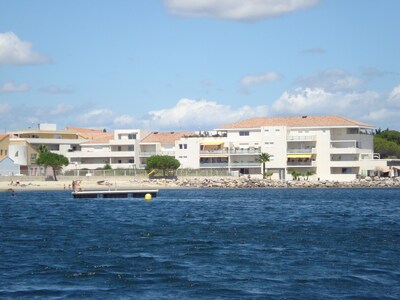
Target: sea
[202, 244]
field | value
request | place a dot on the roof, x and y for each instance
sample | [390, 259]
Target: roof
[3, 136]
[164, 137]
[299, 121]
[94, 136]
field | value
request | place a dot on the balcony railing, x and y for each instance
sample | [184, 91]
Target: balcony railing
[302, 151]
[297, 138]
[301, 163]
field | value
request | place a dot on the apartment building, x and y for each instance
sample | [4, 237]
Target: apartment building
[119, 149]
[330, 147]
[159, 143]
[23, 147]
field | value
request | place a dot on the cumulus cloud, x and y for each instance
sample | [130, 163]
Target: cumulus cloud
[13, 51]
[394, 97]
[55, 90]
[319, 101]
[11, 87]
[332, 80]
[105, 118]
[242, 10]
[195, 114]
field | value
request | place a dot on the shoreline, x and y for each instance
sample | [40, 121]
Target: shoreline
[191, 183]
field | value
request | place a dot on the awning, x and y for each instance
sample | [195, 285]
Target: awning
[384, 169]
[211, 143]
[299, 155]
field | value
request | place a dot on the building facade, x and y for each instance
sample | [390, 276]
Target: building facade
[324, 147]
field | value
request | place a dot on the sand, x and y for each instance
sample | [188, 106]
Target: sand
[63, 184]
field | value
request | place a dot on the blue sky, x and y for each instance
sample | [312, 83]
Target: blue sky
[197, 64]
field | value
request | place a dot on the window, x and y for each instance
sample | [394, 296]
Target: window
[119, 161]
[119, 148]
[182, 146]
[132, 136]
[131, 160]
[16, 154]
[352, 130]
[244, 133]
[131, 148]
[33, 156]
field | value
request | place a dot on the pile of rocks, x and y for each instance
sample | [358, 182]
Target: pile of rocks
[229, 182]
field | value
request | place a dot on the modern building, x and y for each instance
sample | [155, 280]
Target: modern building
[24, 145]
[118, 149]
[330, 147]
[159, 143]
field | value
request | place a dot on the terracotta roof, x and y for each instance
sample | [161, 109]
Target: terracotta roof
[300, 121]
[94, 136]
[164, 137]
[3, 136]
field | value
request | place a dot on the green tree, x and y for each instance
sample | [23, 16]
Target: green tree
[386, 147]
[53, 160]
[309, 173]
[263, 158]
[166, 164]
[295, 174]
[107, 166]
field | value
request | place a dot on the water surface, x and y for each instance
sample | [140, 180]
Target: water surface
[203, 244]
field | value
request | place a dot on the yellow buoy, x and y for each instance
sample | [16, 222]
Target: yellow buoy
[147, 197]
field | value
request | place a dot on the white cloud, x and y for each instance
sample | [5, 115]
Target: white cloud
[55, 90]
[11, 87]
[105, 118]
[394, 97]
[196, 114]
[260, 78]
[4, 108]
[243, 10]
[318, 101]
[13, 51]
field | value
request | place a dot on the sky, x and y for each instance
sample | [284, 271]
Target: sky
[196, 64]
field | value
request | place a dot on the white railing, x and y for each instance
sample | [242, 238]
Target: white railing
[297, 138]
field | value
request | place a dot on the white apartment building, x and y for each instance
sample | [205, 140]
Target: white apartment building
[158, 143]
[119, 149]
[330, 147]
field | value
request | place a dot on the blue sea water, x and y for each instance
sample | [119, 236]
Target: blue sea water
[202, 244]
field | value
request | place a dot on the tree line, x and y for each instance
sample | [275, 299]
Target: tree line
[387, 143]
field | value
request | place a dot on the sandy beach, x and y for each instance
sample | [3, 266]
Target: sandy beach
[30, 184]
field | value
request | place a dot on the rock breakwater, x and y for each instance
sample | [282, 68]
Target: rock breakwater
[231, 183]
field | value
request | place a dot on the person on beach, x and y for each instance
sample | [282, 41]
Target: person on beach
[73, 185]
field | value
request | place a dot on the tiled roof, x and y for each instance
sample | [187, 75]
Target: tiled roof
[300, 121]
[94, 136]
[164, 137]
[3, 136]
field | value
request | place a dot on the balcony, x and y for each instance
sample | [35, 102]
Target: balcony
[301, 138]
[97, 154]
[151, 153]
[248, 151]
[213, 165]
[301, 164]
[302, 151]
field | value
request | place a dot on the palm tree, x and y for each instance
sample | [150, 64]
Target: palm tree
[263, 158]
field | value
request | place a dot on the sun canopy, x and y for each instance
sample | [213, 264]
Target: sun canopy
[299, 155]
